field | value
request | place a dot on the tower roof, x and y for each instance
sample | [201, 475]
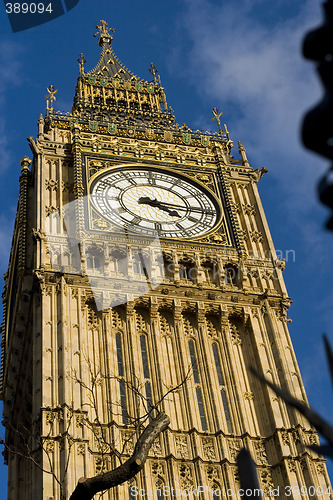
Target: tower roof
[110, 98]
[111, 92]
[109, 65]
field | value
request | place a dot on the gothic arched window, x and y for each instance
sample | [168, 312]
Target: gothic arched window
[222, 387]
[210, 270]
[146, 372]
[94, 259]
[122, 385]
[137, 267]
[168, 267]
[132, 492]
[216, 491]
[197, 381]
[187, 270]
[118, 262]
[231, 274]
[159, 489]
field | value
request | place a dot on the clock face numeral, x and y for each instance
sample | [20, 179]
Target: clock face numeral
[136, 220]
[155, 202]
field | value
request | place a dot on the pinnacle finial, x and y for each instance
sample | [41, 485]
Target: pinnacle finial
[242, 152]
[25, 163]
[217, 118]
[50, 98]
[154, 72]
[81, 60]
[104, 33]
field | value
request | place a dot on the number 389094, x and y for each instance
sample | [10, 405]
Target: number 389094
[28, 8]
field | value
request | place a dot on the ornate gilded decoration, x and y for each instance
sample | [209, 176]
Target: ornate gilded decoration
[217, 116]
[50, 98]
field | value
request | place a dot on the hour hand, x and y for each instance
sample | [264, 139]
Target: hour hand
[145, 200]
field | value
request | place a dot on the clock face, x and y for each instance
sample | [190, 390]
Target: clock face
[155, 202]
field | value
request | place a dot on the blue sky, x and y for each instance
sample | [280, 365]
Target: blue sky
[242, 57]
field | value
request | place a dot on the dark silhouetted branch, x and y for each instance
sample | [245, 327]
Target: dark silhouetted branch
[248, 475]
[325, 429]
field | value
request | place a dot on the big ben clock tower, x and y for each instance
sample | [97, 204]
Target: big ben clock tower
[142, 274]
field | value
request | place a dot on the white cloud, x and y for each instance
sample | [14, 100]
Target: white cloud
[254, 70]
[249, 64]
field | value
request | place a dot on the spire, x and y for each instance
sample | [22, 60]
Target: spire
[111, 92]
[109, 65]
[105, 38]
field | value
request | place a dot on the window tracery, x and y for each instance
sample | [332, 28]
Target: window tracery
[197, 382]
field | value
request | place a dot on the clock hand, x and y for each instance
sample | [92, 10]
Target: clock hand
[145, 200]
[160, 204]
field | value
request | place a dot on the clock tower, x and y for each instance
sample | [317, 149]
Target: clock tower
[143, 275]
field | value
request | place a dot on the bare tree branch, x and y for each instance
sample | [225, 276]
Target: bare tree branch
[87, 488]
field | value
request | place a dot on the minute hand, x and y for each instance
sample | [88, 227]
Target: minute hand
[191, 209]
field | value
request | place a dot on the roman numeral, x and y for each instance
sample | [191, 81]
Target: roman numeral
[130, 180]
[136, 220]
[181, 228]
[151, 180]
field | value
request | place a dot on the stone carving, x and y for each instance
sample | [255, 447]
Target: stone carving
[157, 469]
[164, 324]
[208, 449]
[181, 446]
[281, 264]
[80, 420]
[235, 338]
[285, 438]
[49, 445]
[66, 186]
[156, 449]
[127, 443]
[50, 209]
[188, 329]
[313, 439]
[51, 185]
[140, 322]
[234, 447]
[256, 236]
[186, 477]
[321, 469]
[257, 174]
[292, 465]
[267, 481]
[235, 206]
[81, 449]
[100, 465]
[249, 209]
[295, 434]
[116, 319]
[212, 475]
[211, 330]
[49, 417]
[260, 451]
